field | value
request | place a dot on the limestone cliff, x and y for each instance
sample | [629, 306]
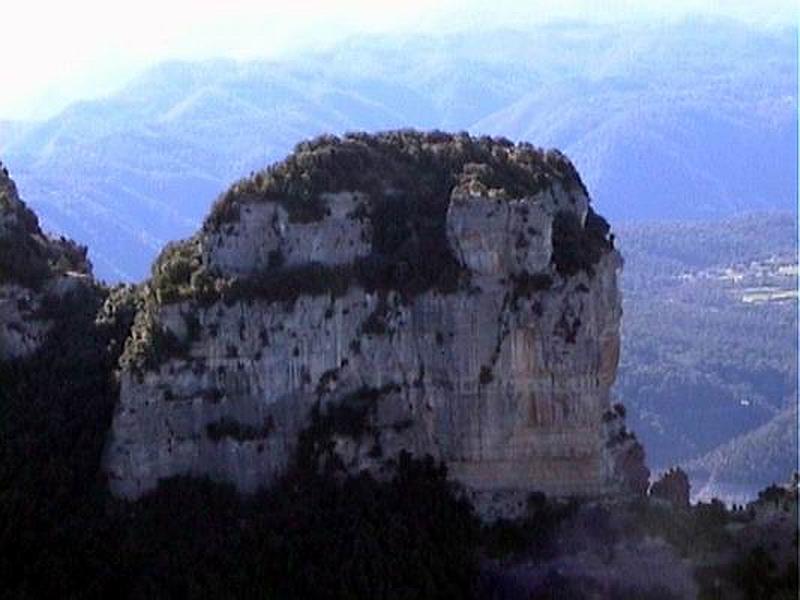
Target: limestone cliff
[435, 293]
[35, 271]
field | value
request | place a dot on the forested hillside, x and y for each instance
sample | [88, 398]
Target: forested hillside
[710, 345]
[767, 453]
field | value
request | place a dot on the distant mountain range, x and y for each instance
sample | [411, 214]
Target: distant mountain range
[685, 121]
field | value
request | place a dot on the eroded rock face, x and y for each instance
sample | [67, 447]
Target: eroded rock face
[672, 486]
[264, 234]
[504, 375]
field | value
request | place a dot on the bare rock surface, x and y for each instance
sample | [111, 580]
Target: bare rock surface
[439, 294]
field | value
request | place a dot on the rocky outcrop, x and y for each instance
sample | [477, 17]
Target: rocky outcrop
[673, 487]
[439, 294]
[35, 272]
[624, 453]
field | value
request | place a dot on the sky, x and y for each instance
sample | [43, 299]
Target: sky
[56, 53]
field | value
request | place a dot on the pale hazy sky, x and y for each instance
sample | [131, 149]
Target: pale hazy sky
[55, 52]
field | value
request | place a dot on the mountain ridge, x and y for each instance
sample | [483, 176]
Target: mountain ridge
[735, 84]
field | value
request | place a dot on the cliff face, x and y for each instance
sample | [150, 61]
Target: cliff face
[432, 293]
[35, 271]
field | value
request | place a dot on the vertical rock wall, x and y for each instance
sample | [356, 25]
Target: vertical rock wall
[505, 378]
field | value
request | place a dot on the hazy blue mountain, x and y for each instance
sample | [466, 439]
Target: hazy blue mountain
[691, 120]
[130, 173]
[683, 123]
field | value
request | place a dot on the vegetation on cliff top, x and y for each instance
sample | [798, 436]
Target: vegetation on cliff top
[407, 179]
[579, 248]
[22, 261]
[27, 257]
[425, 166]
